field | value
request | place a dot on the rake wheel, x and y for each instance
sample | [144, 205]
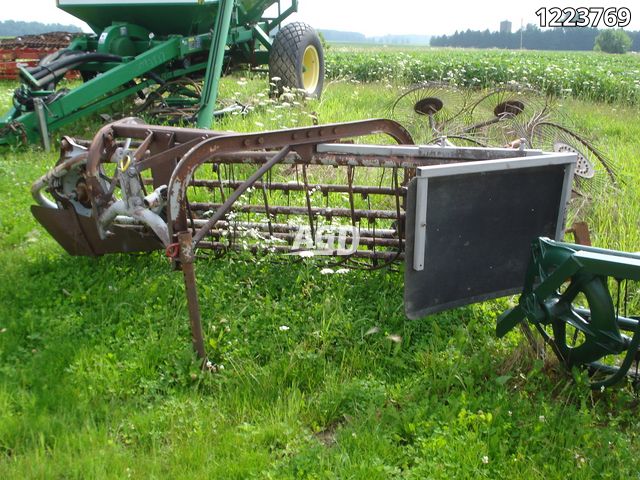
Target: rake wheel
[573, 325]
[429, 109]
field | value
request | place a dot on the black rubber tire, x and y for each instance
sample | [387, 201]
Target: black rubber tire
[287, 54]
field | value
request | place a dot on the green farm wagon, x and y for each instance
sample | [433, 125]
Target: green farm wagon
[172, 51]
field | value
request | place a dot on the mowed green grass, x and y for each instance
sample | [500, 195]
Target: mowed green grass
[97, 377]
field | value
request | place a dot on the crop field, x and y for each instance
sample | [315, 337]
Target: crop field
[323, 375]
[585, 75]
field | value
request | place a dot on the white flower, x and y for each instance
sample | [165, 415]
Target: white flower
[283, 328]
[371, 331]
[341, 271]
[485, 459]
[326, 271]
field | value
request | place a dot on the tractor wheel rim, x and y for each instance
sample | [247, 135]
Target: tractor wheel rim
[310, 69]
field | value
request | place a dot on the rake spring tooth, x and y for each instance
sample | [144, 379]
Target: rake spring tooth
[221, 183]
[398, 207]
[266, 209]
[374, 235]
[381, 179]
[193, 180]
[308, 199]
[190, 216]
[350, 178]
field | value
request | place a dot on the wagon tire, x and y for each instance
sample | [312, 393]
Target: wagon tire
[296, 60]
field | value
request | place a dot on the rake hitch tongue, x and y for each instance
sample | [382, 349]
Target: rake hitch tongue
[560, 277]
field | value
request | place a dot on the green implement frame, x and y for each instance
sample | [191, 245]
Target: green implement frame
[138, 44]
[561, 277]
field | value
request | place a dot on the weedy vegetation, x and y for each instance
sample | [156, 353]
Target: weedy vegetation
[323, 376]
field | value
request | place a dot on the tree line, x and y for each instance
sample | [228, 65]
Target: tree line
[531, 38]
[12, 28]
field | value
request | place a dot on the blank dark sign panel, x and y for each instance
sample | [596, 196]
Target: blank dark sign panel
[475, 225]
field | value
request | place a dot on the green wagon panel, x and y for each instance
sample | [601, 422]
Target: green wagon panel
[162, 17]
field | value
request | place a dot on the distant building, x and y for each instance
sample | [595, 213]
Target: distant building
[505, 26]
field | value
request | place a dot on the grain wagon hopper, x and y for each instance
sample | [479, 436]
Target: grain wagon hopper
[462, 219]
[171, 52]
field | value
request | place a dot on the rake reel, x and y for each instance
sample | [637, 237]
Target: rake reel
[300, 192]
[460, 218]
[136, 185]
[594, 170]
[435, 106]
[505, 116]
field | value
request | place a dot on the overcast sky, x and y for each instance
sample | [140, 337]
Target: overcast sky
[375, 17]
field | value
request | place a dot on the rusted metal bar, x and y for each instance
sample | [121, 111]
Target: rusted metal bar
[186, 258]
[336, 160]
[365, 240]
[387, 256]
[315, 211]
[297, 187]
[581, 235]
[223, 225]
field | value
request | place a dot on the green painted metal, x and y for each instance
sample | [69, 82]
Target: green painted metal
[156, 40]
[214, 64]
[163, 18]
[548, 300]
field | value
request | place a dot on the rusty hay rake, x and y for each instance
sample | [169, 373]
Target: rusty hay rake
[462, 219]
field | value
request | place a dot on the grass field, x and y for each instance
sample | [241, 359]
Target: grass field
[97, 377]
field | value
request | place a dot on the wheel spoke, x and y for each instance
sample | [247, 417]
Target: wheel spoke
[577, 321]
[572, 291]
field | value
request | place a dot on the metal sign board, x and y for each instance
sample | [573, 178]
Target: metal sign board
[469, 227]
